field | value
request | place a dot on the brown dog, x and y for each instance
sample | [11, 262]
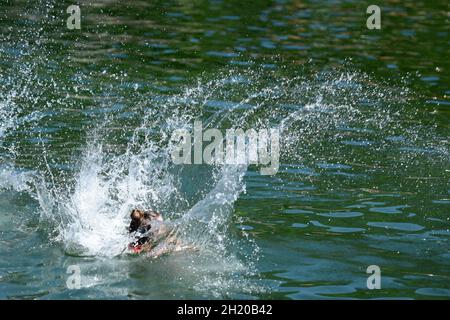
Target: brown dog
[152, 235]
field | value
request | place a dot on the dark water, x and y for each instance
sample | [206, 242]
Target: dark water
[364, 168]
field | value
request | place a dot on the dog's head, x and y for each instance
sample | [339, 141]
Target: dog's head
[141, 218]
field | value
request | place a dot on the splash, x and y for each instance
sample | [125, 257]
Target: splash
[90, 209]
[17, 180]
[123, 167]
[10, 120]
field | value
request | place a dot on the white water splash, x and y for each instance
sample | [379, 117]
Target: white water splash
[90, 209]
[16, 180]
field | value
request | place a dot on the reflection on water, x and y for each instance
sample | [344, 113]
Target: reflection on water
[84, 117]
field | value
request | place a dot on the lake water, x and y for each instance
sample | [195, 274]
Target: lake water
[85, 122]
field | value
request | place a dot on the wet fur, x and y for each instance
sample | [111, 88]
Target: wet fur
[164, 239]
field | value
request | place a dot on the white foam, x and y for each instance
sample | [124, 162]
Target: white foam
[13, 179]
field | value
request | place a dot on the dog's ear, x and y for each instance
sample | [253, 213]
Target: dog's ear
[136, 214]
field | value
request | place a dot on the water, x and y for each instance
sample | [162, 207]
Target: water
[86, 116]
